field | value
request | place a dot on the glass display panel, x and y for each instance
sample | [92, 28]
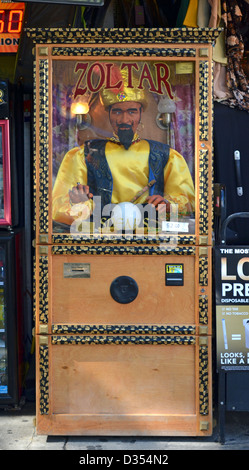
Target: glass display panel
[3, 329]
[123, 146]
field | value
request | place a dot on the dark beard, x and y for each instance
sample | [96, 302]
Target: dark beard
[125, 136]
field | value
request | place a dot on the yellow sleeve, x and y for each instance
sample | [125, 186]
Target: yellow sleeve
[178, 183]
[73, 170]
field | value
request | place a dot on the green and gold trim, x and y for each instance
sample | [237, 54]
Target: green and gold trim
[122, 339]
[122, 250]
[62, 239]
[63, 329]
[123, 35]
[35, 144]
[203, 378]
[204, 191]
[44, 147]
[44, 379]
[122, 51]
[43, 289]
[203, 105]
[203, 271]
[203, 309]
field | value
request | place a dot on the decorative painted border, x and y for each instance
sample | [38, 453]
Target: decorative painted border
[203, 191]
[43, 142]
[34, 192]
[123, 35]
[203, 380]
[203, 271]
[122, 250]
[44, 379]
[122, 239]
[106, 339]
[203, 105]
[123, 329]
[124, 52]
[203, 309]
[35, 159]
[43, 289]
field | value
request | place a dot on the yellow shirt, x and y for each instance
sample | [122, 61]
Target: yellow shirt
[130, 173]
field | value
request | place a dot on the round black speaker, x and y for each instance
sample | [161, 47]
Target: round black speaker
[124, 289]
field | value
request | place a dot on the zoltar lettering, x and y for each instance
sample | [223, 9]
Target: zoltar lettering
[157, 79]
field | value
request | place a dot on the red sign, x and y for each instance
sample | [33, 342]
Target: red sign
[11, 21]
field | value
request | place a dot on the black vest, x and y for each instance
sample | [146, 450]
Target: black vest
[99, 177]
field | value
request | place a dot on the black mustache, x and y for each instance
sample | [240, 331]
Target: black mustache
[124, 126]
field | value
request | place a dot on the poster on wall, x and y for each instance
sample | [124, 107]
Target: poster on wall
[232, 307]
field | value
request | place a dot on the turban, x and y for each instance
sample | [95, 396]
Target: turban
[110, 96]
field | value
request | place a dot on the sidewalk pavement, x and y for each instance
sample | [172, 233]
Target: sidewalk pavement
[18, 432]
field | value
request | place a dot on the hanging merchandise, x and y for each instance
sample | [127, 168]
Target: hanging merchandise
[183, 7]
[191, 15]
[203, 13]
[221, 91]
[235, 14]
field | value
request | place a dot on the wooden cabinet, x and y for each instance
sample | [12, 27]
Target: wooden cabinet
[123, 320]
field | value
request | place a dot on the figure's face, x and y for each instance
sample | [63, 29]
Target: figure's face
[125, 115]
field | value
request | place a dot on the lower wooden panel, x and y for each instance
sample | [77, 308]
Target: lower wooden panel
[121, 385]
[88, 300]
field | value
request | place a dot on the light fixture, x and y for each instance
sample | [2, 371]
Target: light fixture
[166, 107]
[81, 111]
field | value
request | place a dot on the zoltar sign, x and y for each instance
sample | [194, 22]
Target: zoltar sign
[95, 75]
[232, 307]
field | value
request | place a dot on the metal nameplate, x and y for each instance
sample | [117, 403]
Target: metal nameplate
[77, 270]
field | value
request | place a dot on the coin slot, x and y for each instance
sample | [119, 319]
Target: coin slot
[77, 270]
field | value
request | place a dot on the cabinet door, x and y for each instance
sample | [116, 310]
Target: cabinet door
[124, 385]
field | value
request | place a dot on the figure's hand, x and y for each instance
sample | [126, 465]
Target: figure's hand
[157, 200]
[80, 193]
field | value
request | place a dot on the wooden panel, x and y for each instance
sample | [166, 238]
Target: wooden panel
[126, 379]
[88, 300]
[127, 389]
